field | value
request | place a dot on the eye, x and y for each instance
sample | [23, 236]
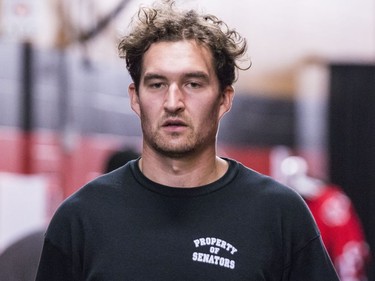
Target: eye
[157, 85]
[194, 85]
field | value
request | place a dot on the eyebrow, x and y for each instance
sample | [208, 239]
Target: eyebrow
[195, 74]
[151, 76]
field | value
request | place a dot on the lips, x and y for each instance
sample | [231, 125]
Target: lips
[174, 123]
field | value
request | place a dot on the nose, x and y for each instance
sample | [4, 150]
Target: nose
[174, 99]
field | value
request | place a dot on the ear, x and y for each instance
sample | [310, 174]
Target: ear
[226, 100]
[134, 99]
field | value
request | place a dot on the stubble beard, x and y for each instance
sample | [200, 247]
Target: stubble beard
[177, 145]
[173, 145]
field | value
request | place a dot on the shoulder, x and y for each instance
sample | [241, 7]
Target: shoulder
[95, 194]
[279, 207]
[84, 206]
[264, 185]
[267, 194]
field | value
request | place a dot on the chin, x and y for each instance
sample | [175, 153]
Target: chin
[175, 151]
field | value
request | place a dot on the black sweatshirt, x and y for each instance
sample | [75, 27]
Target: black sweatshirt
[244, 226]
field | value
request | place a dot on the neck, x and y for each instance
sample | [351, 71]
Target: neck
[184, 173]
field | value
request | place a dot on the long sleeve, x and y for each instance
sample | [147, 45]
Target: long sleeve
[311, 263]
[54, 265]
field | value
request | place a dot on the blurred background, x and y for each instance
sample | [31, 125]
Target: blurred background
[64, 106]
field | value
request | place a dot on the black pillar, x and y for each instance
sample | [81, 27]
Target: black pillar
[352, 140]
[26, 107]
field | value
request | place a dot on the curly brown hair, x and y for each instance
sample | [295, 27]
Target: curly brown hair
[164, 22]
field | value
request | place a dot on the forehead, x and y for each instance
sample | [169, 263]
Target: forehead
[177, 57]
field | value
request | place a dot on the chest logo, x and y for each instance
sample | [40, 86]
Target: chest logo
[214, 251]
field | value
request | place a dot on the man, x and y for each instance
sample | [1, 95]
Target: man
[180, 212]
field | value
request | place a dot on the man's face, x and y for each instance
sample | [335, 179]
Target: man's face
[179, 102]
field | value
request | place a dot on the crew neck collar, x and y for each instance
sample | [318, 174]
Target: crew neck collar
[183, 191]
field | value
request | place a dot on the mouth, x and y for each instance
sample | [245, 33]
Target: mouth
[174, 124]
